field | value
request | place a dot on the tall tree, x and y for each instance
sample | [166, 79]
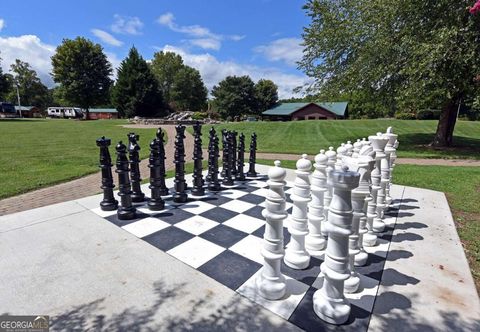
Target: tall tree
[165, 65]
[83, 70]
[235, 96]
[406, 52]
[5, 83]
[188, 92]
[31, 90]
[136, 91]
[266, 95]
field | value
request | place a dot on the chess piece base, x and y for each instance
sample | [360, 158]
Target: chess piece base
[126, 214]
[361, 258]
[156, 205]
[139, 197]
[297, 260]
[271, 288]
[369, 240]
[180, 197]
[109, 206]
[198, 192]
[252, 174]
[378, 226]
[333, 311]
[352, 284]
[315, 244]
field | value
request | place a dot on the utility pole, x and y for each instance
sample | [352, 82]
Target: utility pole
[18, 98]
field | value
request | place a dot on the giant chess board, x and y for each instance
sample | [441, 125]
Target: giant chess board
[221, 235]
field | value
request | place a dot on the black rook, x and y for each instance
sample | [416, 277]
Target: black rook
[109, 203]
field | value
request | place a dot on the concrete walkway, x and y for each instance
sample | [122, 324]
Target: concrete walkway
[88, 274]
[90, 184]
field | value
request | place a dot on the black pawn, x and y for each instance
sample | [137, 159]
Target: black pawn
[198, 182]
[133, 148]
[125, 211]
[211, 137]
[156, 202]
[161, 151]
[213, 155]
[180, 196]
[233, 148]
[224, 150]
[227, 161]
[253, 147]
[109, 203]
[240, 176]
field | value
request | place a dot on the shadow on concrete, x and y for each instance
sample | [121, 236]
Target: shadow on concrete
[407, 207]
[410, 225]
[394, 255]
[392, 277]
[235, 315]
[394, 312]
[401, 237]
[401, 214]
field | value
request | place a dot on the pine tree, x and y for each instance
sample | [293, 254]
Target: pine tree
[136, 91]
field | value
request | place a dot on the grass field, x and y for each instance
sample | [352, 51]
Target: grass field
[309, 136]
[462, 188]
[37, 153]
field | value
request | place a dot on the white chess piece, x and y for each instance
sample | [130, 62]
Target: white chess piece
[315, 241]
[390, 151]
[329, 302]
[349, 148]
[331, 159]
[341, 152]
[270, 282]
[356, 148]
[379, 143]
[296, 256]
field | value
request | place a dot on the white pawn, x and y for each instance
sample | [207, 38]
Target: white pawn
[315, 240]
[349, 148]
[341, 152]
[356, 148]
[329, 302]
[296, 256]
[271, 282]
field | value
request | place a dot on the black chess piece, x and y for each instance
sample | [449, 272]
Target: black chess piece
[253, 148]
[156, 202]
[211, 137]
[233, 147]
[133, 148]
[160, 141]
[213, 155]
[224, 150]
[240, 176]
[227, 160]
[197, 189]
[126, 211]
[179, 195]
[109, 203]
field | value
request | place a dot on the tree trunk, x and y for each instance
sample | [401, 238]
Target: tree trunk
[446, 124]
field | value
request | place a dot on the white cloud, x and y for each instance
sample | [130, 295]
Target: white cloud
[2, 24]
[106, 37]
[28, 48]
[127, 25]
[287, 50]
[207, 43]
[214, 70]
[202, 37]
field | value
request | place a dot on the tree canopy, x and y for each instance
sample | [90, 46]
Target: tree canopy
[165, 65]
[403, 54]
[188, 93]
[31, 90]
[136, 91]
[83, 71]
[235, 96]
[266, 95]
[5, 84]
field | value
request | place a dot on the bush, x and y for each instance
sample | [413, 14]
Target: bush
[199, 116]
[405, 115]
[425, 115]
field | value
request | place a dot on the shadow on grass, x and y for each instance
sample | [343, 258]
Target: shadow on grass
[22, 120]
[462, 146]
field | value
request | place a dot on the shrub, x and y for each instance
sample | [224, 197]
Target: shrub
[425, 115]
[405, 115]
[199, 116]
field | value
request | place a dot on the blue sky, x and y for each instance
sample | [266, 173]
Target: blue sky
[260, 38]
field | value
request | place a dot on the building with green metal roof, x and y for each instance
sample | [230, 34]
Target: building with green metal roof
[307, 111]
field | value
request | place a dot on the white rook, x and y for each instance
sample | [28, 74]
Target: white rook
[329, 302]
[271, 282]
[296, 255]
[315, 240]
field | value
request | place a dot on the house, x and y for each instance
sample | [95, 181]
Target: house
[102, 113]
[307, 111]
[29, 111]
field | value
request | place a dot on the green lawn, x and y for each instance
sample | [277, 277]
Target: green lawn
[310, 136]
[462, 188]
[37, 153]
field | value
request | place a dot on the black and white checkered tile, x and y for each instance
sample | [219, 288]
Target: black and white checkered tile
[221, 236]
